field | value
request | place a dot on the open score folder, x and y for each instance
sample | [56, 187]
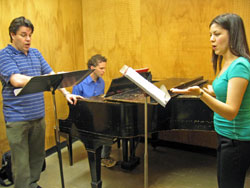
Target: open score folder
[160, 95]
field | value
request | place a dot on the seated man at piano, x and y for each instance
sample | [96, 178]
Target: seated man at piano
[94, 85]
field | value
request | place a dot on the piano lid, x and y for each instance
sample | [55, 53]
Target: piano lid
[129, 92]
[123, 84]
[181, 83]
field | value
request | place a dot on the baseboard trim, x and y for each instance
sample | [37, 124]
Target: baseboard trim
[53, 149]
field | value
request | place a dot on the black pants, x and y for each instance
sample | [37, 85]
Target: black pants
[233, 160]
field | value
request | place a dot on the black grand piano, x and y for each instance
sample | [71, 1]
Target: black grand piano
[120, 116]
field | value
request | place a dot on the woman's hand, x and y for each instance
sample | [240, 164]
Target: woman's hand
[209, 89]
[194, 90]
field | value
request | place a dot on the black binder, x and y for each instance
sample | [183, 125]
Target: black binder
[55, 81]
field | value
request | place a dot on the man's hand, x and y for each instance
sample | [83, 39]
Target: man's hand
[72, 99]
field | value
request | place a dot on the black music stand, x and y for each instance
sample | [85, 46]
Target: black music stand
[160, 95]
[51, 83]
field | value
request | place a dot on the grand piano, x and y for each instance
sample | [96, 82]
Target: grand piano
[119, 115]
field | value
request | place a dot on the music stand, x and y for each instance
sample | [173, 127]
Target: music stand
[51, 83]
[160, 95]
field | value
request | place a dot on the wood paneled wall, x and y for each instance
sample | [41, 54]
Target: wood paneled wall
[168, 36]
[171, 37]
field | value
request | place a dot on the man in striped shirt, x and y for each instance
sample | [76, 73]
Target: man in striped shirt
[24, 115]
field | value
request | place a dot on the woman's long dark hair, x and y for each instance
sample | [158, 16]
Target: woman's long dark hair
[237, 37]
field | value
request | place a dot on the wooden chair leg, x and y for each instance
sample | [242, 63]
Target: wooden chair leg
[69, 144]
[118, 142]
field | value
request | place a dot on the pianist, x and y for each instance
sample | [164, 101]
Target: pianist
[231, 104]
[94, 85]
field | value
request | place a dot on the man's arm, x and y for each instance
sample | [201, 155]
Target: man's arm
[71, 98]
[19, 80]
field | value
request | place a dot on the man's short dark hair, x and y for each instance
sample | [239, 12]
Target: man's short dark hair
[95, 60]
[17, 23]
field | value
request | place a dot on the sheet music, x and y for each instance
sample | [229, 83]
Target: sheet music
[17, 91]
[162, 97]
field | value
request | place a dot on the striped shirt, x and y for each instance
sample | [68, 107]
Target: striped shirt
[24, 107]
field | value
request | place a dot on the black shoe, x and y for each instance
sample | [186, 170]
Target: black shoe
[39, 186]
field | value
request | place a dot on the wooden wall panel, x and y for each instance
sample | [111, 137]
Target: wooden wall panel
[113, 28]
[58, 35]
[178, 45]
[170, 37]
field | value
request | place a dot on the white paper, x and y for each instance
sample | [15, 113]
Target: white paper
[162, 97]
[17, 91]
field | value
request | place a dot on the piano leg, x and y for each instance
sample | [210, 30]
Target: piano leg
[94, 148]
[94, 156]
[132, 148]
[118, 142]
[125, 149]
[129, 161]
[154, 141]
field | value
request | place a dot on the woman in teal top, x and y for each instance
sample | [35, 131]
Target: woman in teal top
[229, 98]
[239, 127]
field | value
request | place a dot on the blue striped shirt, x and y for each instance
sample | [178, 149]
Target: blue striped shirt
[24, 107]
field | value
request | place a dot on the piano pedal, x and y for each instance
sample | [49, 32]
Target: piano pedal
[131, 164]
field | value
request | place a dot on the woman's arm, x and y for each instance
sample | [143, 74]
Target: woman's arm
[235, 92]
